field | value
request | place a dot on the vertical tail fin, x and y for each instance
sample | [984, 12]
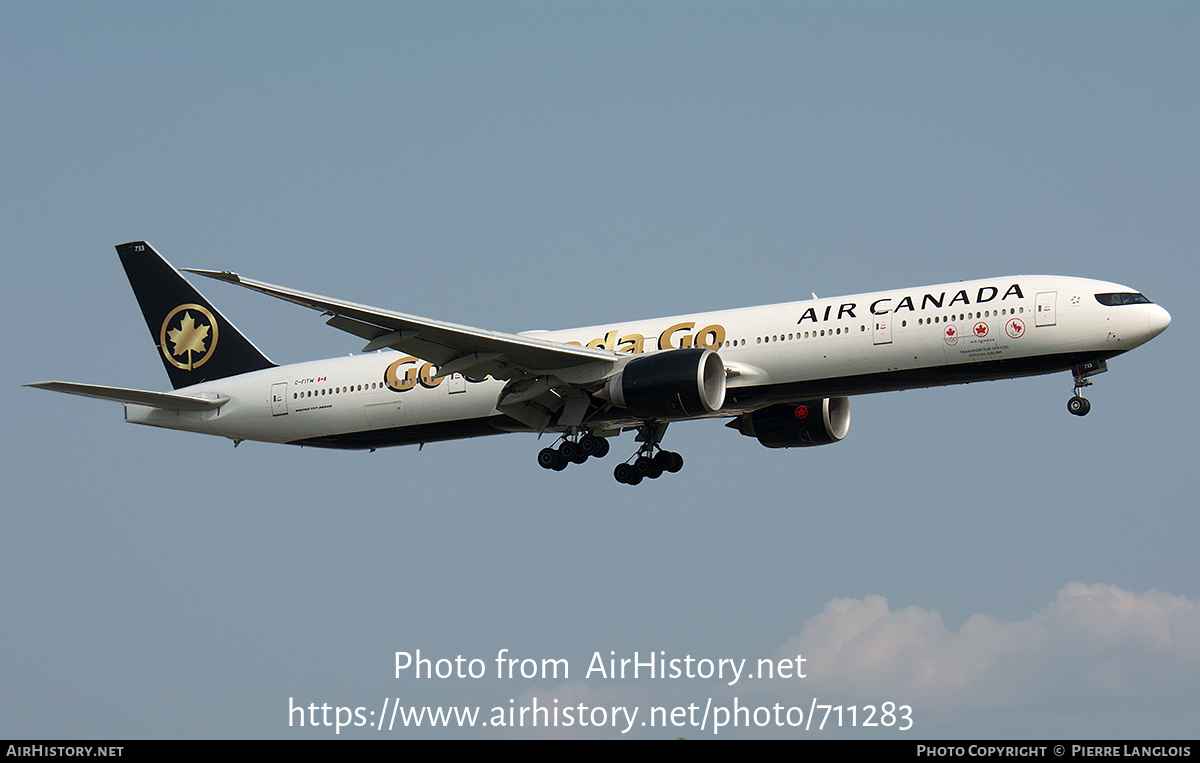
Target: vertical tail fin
[196, 343]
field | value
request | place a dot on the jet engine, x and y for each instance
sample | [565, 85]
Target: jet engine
[797, 425]
[673, 384]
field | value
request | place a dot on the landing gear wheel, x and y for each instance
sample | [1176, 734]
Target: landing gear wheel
[548, 458]
[626, 474]
[596, 447]
[571, 452]
[1079, 405]
[623, 473]
[668, 461]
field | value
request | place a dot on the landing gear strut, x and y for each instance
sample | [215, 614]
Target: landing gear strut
[646, 463]
[1079, 404]
[574, 449]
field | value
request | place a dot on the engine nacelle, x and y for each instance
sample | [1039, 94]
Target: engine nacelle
[672, 384]
[797, 425]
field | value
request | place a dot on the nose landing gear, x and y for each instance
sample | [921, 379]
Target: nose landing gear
[1079, 404]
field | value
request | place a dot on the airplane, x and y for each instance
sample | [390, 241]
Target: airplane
[782, 374]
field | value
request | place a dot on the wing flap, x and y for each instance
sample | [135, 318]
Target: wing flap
[164, 400]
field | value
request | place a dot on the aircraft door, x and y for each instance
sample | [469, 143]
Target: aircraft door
[456, 383]
[1044, 306]
[882, 333]
[279, 406]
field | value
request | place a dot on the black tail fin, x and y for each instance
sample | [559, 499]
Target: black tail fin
[195, 341]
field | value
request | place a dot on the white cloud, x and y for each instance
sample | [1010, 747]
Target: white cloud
[1094, 643]
[1098, 661]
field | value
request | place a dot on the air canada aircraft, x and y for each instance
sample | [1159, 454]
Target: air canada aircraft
[782, 374]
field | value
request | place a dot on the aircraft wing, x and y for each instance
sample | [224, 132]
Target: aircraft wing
[453, 348]
[164, 400]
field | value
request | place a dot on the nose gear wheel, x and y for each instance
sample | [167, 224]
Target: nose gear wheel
[1078, 404]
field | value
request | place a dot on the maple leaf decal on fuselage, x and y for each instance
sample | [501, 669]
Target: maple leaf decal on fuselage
[188, 337]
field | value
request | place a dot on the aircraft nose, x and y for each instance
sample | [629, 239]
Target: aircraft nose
[1158, 319]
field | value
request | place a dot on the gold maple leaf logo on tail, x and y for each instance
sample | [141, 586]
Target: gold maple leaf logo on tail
[191, 343]
[188, 338]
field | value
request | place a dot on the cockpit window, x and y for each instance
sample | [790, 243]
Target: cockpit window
[1122, 299]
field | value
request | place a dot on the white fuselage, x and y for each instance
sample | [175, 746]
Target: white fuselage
[926, 336]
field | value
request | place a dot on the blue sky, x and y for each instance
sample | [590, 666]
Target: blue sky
[544, 165]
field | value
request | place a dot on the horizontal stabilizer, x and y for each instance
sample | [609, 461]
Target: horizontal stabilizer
[164, 400]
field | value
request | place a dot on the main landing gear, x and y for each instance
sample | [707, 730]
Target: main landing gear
[650, 461]
[574, 449]
[647, 464]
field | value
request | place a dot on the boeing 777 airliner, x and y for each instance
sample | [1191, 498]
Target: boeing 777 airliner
[780, 373]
